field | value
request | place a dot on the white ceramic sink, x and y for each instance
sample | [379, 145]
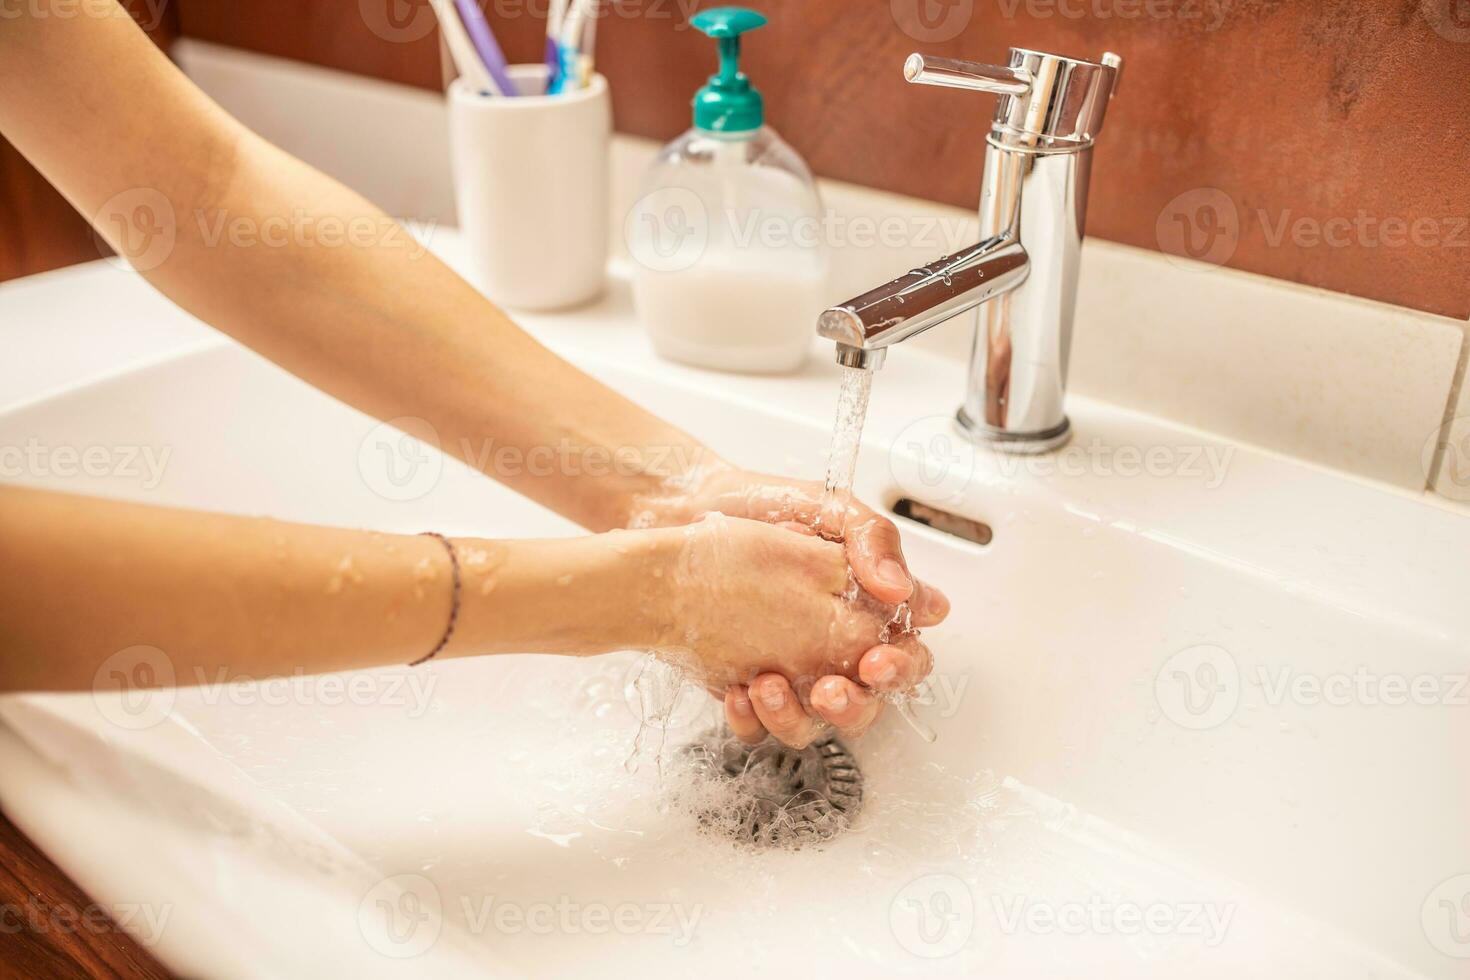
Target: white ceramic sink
[1132, 777]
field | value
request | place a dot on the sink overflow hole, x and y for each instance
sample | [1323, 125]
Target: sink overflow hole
[977, 532]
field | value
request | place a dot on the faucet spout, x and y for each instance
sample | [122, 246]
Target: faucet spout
[1020, 279]
[927, 297]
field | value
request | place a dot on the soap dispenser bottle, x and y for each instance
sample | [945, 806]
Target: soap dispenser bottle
[729, 257]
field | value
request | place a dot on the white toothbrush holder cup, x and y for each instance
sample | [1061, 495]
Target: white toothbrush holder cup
[531, 186]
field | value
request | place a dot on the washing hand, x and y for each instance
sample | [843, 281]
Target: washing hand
[873, 552]
[776, 621]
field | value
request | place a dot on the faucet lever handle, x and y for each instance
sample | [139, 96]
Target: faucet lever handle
[953, 73]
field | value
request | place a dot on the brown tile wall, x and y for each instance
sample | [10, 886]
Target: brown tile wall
[1325, 142]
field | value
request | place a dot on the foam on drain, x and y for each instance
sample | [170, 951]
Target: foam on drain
[773, 795]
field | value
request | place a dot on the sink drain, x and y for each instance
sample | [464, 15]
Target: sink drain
[776, 795]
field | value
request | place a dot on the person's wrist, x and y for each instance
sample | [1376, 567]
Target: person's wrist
[680, 493]
[581, 595]
[649, 574]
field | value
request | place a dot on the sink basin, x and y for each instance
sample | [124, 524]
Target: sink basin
[1132, 777]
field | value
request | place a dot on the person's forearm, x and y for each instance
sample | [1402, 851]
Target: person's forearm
[303, 270]
[89, 577]
[577, 596]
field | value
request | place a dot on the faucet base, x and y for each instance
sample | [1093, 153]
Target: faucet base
[1018, 443]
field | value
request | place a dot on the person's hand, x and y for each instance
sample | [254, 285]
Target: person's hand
[872, 547]
[777, 622]
[871, 540]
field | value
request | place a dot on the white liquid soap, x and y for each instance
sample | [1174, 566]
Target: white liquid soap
[755, 317]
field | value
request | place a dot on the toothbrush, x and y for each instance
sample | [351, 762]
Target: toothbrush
[471, 69]
[589, 43]
[555, 12]
[571, 68]
[553, 65]
[483, 38]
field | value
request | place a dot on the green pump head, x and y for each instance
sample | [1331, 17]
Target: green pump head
[728, 104]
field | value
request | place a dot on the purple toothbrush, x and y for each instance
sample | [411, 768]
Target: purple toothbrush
[485, 45]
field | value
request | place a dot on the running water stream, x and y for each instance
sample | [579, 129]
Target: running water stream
[847, 437]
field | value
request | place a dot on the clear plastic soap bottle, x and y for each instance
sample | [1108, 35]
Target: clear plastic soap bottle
[727, 238]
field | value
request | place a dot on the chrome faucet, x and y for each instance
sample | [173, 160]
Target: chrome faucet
[1022, 274]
